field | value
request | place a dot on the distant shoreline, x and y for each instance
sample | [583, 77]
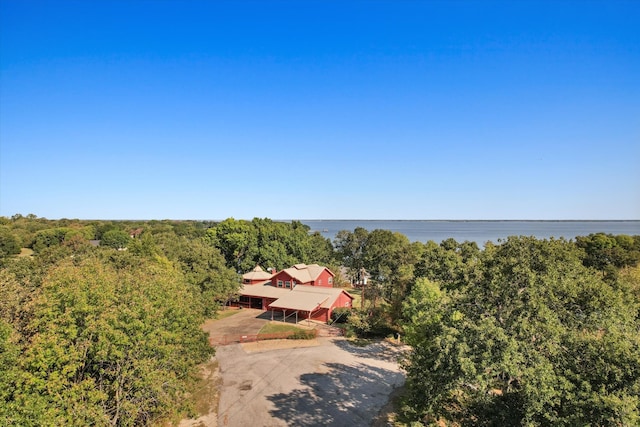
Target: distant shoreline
[465, 220]
[479, 231]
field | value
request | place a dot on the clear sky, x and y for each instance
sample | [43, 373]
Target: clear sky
[320, 109]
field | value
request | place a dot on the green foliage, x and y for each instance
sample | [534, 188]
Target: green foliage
[49, 237]
[9, 243]
[204, 268]
[111, 344]
[236, 241]
[608, 253]
[9, 355]
[281, 328]
[450, 263]
[340, 314]
[302, 334]
[534, 339]
[245, 244]
[388, 257]
[422, 311]
[371, 322]
[350, 246]
[116, 239]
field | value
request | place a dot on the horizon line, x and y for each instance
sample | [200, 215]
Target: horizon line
[334, 219]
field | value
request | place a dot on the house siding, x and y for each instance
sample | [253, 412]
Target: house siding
[323, 279]
[281, 276]
[321, 315]
[343, 301]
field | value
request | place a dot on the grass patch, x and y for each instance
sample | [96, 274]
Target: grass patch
[281, 328]
[203, 397]
[24, 252]
[357, 296]
[205, 393]
[277, 328]
[223, 314]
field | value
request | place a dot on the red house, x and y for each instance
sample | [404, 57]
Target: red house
[303, 290]
[302, 274]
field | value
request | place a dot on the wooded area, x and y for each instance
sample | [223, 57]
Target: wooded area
[100, 320]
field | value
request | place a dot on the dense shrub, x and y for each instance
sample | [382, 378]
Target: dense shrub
[340, 315]
[374, 322]
[302, 334]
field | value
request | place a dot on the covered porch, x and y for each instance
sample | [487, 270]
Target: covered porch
[300, 306]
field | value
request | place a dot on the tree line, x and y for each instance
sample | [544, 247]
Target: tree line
[100, 320]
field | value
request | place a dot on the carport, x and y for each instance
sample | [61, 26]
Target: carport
[296, 303]
[258, 296]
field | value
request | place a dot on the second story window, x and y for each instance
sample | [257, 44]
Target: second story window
[279, 283]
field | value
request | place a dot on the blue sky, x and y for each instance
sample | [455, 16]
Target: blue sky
[320, 109]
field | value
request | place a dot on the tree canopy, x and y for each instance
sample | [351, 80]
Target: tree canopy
[245, 244]
[535, 339]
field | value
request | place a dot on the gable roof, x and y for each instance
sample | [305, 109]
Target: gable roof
[257, 274]
[304, 273]
[308, 298]
[264, 290]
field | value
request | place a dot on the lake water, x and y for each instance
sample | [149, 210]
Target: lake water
[477, 231]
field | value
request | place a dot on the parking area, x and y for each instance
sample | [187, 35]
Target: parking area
[329, 383]
[246, 321]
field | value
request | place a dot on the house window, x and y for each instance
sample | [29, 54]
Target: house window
[331, 280]
[287, 284]
[279, 283]
[319, 281]
[245, 299]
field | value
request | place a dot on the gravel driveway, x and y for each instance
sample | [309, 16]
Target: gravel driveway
[330, 383]
[244, 322]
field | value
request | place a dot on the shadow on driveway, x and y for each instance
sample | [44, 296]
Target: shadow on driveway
[380, 350]
[346, 395]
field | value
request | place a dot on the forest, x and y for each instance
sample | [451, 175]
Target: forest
[100, 320]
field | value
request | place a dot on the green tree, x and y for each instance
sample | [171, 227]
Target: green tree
[535, 339]
[116, 341]
[116, 239]
[450, 263]
[349, 248]
[9, 373]
[49, 237]
[390, 260]
[237, 242]
[204, 268]
[422, 311]
[245, 244]
[608, 253]
[9, 243]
